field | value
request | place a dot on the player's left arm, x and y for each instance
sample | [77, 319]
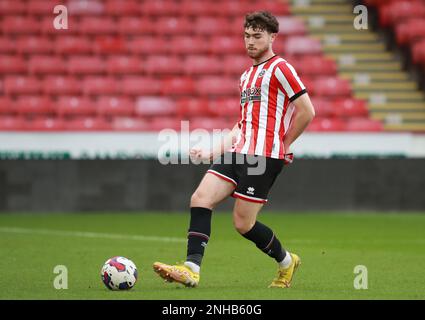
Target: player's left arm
[304, 114]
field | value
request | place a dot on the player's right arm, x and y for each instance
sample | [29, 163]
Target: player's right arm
[225, 144]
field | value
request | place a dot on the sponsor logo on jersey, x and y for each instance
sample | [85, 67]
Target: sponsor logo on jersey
[251, 94]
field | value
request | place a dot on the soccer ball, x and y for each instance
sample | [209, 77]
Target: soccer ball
[119, 273]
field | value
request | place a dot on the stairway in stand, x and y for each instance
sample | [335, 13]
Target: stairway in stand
[376, 75]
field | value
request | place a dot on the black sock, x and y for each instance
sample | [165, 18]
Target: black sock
[199, 234]
[266, 241]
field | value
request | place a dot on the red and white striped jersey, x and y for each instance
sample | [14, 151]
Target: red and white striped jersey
[267, 90]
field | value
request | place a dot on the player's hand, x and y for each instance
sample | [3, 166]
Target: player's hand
[198, 155]
[288, 158]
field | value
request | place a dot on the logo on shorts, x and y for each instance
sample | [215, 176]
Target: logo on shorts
[251, 191]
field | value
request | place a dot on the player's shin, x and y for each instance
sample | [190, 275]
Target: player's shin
[198, 236]
[266, 241]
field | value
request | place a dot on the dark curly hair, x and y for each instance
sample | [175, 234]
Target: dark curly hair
[262, 20]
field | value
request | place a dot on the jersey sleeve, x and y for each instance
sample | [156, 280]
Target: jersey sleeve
[289, 80]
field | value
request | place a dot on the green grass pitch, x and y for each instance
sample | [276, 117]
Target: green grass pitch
[391, 246]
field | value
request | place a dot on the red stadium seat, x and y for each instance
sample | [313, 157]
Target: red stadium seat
[327, 124]
[46, 124]
[401, 10]
[97, 25]
[88, 124]
[7, 45]
[350, 107]
[192, 107]
[331, 86]
[34, 45]
[173, 26]
[291, 26]
[86, 65]
[236, 27]
[148, 45]
[73, 45]
[130, 124]
[217, 86]
[47, 65]
[110, 45]
[115, 106]
[139, 86]
[187, 45]
[208, 124]
[12, 64]
[418, 52]
[163, 65]
[416, 29]
[124, 65]
[41, 7]
[402, 33]
[323, 107]
[11, 7]
[178, 86]
[230, 8]
[83, 7]
[364, 124]
[227, 45]
[155, 106]
[378, 3]
[120, 8]
[99, 85]
[20, 25]
[22, 85]
[10, 123]
[315, 66]
[34, 105]
[236, 64]
[160, 123]
[299, 45]
[225, 107]
[61, 85]
[160, 8]
[278, 8]
[211, 25]
[198, 8]
[7, 106]
[202, 64]
[410, 31]
[135, 25]
[75, 106]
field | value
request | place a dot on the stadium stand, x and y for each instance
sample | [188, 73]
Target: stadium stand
[402, 22]
[144, 65]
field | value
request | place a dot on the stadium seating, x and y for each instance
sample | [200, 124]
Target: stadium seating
[113, 106]
[406, 18]
[140, 65]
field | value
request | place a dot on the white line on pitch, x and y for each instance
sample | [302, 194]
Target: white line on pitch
[84, 234]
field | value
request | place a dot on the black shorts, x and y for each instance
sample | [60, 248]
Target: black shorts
[252, 176]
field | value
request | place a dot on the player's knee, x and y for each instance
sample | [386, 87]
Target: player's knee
[242, 224]
[200, 199]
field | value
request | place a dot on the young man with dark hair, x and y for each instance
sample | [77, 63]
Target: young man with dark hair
[275, 110]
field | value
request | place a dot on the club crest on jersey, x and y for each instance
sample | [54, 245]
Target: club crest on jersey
[262, 73]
